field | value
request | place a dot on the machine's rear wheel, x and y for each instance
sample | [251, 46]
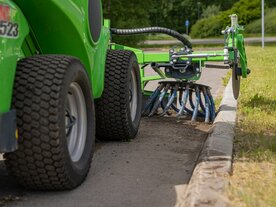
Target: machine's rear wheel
[118, 111]
[55, 119]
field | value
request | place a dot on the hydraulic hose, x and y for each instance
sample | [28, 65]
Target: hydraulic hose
[147, 30]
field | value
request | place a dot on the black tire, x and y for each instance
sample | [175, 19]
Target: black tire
[114, 120]
[40, 96]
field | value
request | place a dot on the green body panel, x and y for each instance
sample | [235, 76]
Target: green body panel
[10, 53]
[62, 27]
[242, 53]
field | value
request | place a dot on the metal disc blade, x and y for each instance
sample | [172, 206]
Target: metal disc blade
[235, 84]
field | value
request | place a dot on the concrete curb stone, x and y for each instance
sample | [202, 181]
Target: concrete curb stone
[210, 177]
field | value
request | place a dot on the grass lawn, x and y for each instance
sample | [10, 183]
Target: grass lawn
[253, 183]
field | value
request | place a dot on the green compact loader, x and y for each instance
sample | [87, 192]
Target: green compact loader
[63, 83]
[56, 71]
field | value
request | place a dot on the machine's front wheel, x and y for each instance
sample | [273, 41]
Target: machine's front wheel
[118, 111]
[56, 123]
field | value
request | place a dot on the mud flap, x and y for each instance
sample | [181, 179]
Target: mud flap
[8, 141]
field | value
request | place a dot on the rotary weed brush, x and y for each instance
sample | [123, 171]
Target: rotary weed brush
[178, 93]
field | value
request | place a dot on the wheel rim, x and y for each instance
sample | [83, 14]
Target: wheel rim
[133, 96]
[75, 122]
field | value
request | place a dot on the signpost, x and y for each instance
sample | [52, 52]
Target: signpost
[187, 23]
[263, 28]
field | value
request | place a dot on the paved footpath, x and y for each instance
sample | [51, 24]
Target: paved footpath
[268, 40]
[151, 171]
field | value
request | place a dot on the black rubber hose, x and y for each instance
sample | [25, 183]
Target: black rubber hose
[147, 30]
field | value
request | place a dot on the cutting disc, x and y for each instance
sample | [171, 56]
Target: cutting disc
[235, 82]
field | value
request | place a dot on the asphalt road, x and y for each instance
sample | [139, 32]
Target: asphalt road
[152, 170]
[208, 41]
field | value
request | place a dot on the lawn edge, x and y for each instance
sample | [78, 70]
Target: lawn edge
[211, 174]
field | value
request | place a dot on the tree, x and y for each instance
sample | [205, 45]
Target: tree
[165, 13]
[247, 12]
[127, 14]
[210, 11]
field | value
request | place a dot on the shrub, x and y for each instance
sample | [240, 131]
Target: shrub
[210, 11]
[207, 27]
[247, 12]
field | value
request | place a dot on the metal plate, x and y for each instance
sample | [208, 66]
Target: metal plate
[8, 141]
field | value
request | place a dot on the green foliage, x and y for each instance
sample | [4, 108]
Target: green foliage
[208, 17]
[270, 3]
[211, 11]
[127, 14]
[247, 11]
[224, 5]
[173, 13]
[207, 27]
[270, 23]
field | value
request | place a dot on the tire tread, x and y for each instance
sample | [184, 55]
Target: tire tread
[112, 119]
[39, 162]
